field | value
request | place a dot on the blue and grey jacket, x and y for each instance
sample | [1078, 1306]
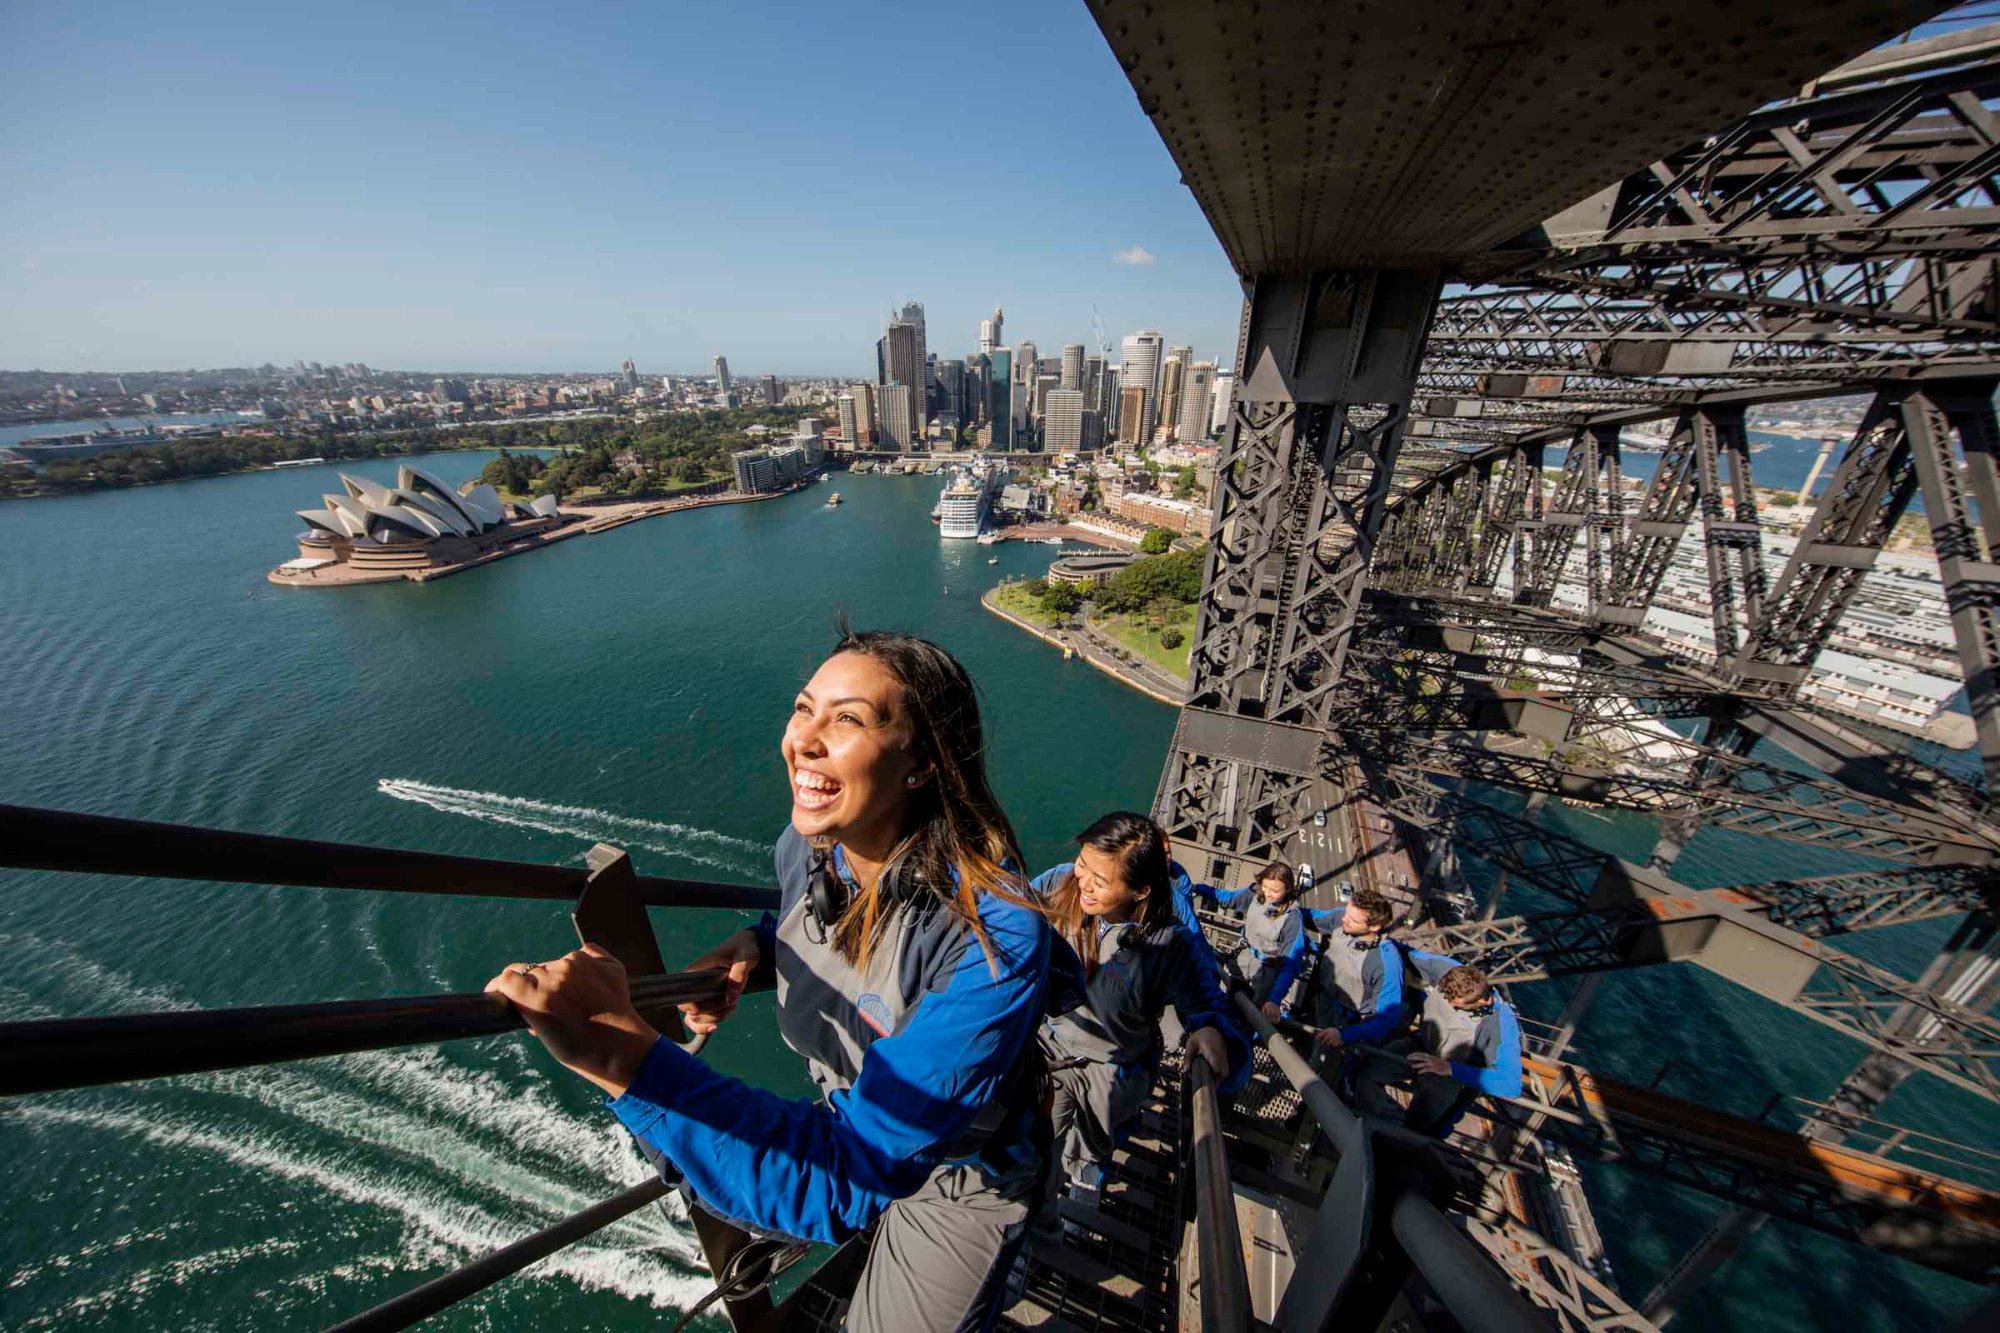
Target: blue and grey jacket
[1484, 1048]
[1273, 933]
[1184, 895]
[1139, 974]
[1359, 983]
[926, 1057]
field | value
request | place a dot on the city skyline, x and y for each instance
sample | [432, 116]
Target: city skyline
[472, 196]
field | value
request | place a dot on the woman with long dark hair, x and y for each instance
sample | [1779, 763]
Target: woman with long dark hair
[910, 967]
[1274, 949]
[1114, 907]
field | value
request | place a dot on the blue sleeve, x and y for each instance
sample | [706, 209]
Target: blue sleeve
[1045, 883]
[823, 1171]
[766, 931]
[1293, 960]
[1230, 898]
[1198, 1000]
[1207, 970]
[1501, 1078]
[1327, 920]
[1385, 1006]
[1432, 966]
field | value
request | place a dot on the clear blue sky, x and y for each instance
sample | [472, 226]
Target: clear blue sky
[508, 186]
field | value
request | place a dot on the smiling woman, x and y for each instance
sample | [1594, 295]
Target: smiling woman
[911, 968]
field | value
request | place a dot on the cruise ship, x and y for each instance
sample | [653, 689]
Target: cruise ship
[967, 500]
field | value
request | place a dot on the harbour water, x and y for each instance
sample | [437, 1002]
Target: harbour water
[628, 689]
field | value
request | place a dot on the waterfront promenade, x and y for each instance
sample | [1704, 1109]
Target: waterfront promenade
[1097, 648]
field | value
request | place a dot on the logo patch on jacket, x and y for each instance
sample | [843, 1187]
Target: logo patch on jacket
[875, 1013]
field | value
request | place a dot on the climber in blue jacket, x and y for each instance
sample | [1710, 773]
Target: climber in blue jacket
[1113, 910]
[1274, 949]
[1358, 982]
[1467, 1044]
[911, 966]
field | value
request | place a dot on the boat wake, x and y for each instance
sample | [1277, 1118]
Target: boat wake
[436, 1160]
[687, 842]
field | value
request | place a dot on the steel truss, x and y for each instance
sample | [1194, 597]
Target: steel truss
[1372, 505]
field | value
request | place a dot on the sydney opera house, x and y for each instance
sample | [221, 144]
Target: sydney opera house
[417, 524]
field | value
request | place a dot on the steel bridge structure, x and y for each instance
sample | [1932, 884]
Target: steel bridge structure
[1478, 243]
[1428, 579]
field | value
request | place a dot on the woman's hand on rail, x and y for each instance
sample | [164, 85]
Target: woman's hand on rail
[581, 1008]
[1207, 1043]
[738, 956]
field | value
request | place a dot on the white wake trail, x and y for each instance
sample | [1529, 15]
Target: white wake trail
[686, 841]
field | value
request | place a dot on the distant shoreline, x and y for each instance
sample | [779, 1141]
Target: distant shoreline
[1110, 669]
[469, 447]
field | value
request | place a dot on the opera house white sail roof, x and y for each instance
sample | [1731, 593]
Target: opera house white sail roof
[418, 508]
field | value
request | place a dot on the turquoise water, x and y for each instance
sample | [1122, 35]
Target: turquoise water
[628, 688]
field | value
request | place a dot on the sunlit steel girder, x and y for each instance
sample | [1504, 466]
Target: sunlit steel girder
[1944, 1224]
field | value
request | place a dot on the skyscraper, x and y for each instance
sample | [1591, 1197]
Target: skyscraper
[950, 383]
[722, 381]
[1173, 371]
[999, 396]
[1131, 413]
[1062, 421]
[864, 413]
[989, 331]
[628, 377]
[1072, 366]
[904, 361]
[850, 425]
[1225, 400]
[913, 314]
[1140, 369]
[769, 386]
[898, 418]
[1197, 402]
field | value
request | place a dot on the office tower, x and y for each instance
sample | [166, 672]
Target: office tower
[1173, 371]
[628, 377]
[1107, 401]
[1140, 369]
[898, 418]
[989, 331]
[1043, 384]
[1093, 384]
[1225, 400]
[722, 378]
[1197, 402]
[769, 385]
[1062, 421]
[999, 396]
[1072, 366]
[904, 362]
[864, 413]
[913, 315]
[1131, 414]
[950, 383]
[850, 426]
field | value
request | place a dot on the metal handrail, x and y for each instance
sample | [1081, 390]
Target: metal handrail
[37, 839]
[1225, 1285]
[422, 1302]
[47, 1055]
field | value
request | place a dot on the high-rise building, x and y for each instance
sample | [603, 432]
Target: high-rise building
[1072, 366]
[989, 331]
[865, 415]
[722, 376]
[1225, 400]
[1173, 371]
[1191, 422]
[999, 396]
[1043, 385]
[1107, 401]
[1131, 414]
[850, 427]
[769, 386]
[1062, 421]
[898, 420]
[1197, 402]
[628, 377]
[950, 382]
[1139, 369]
[905, 362]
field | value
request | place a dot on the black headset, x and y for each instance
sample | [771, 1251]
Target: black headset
[903, 880]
